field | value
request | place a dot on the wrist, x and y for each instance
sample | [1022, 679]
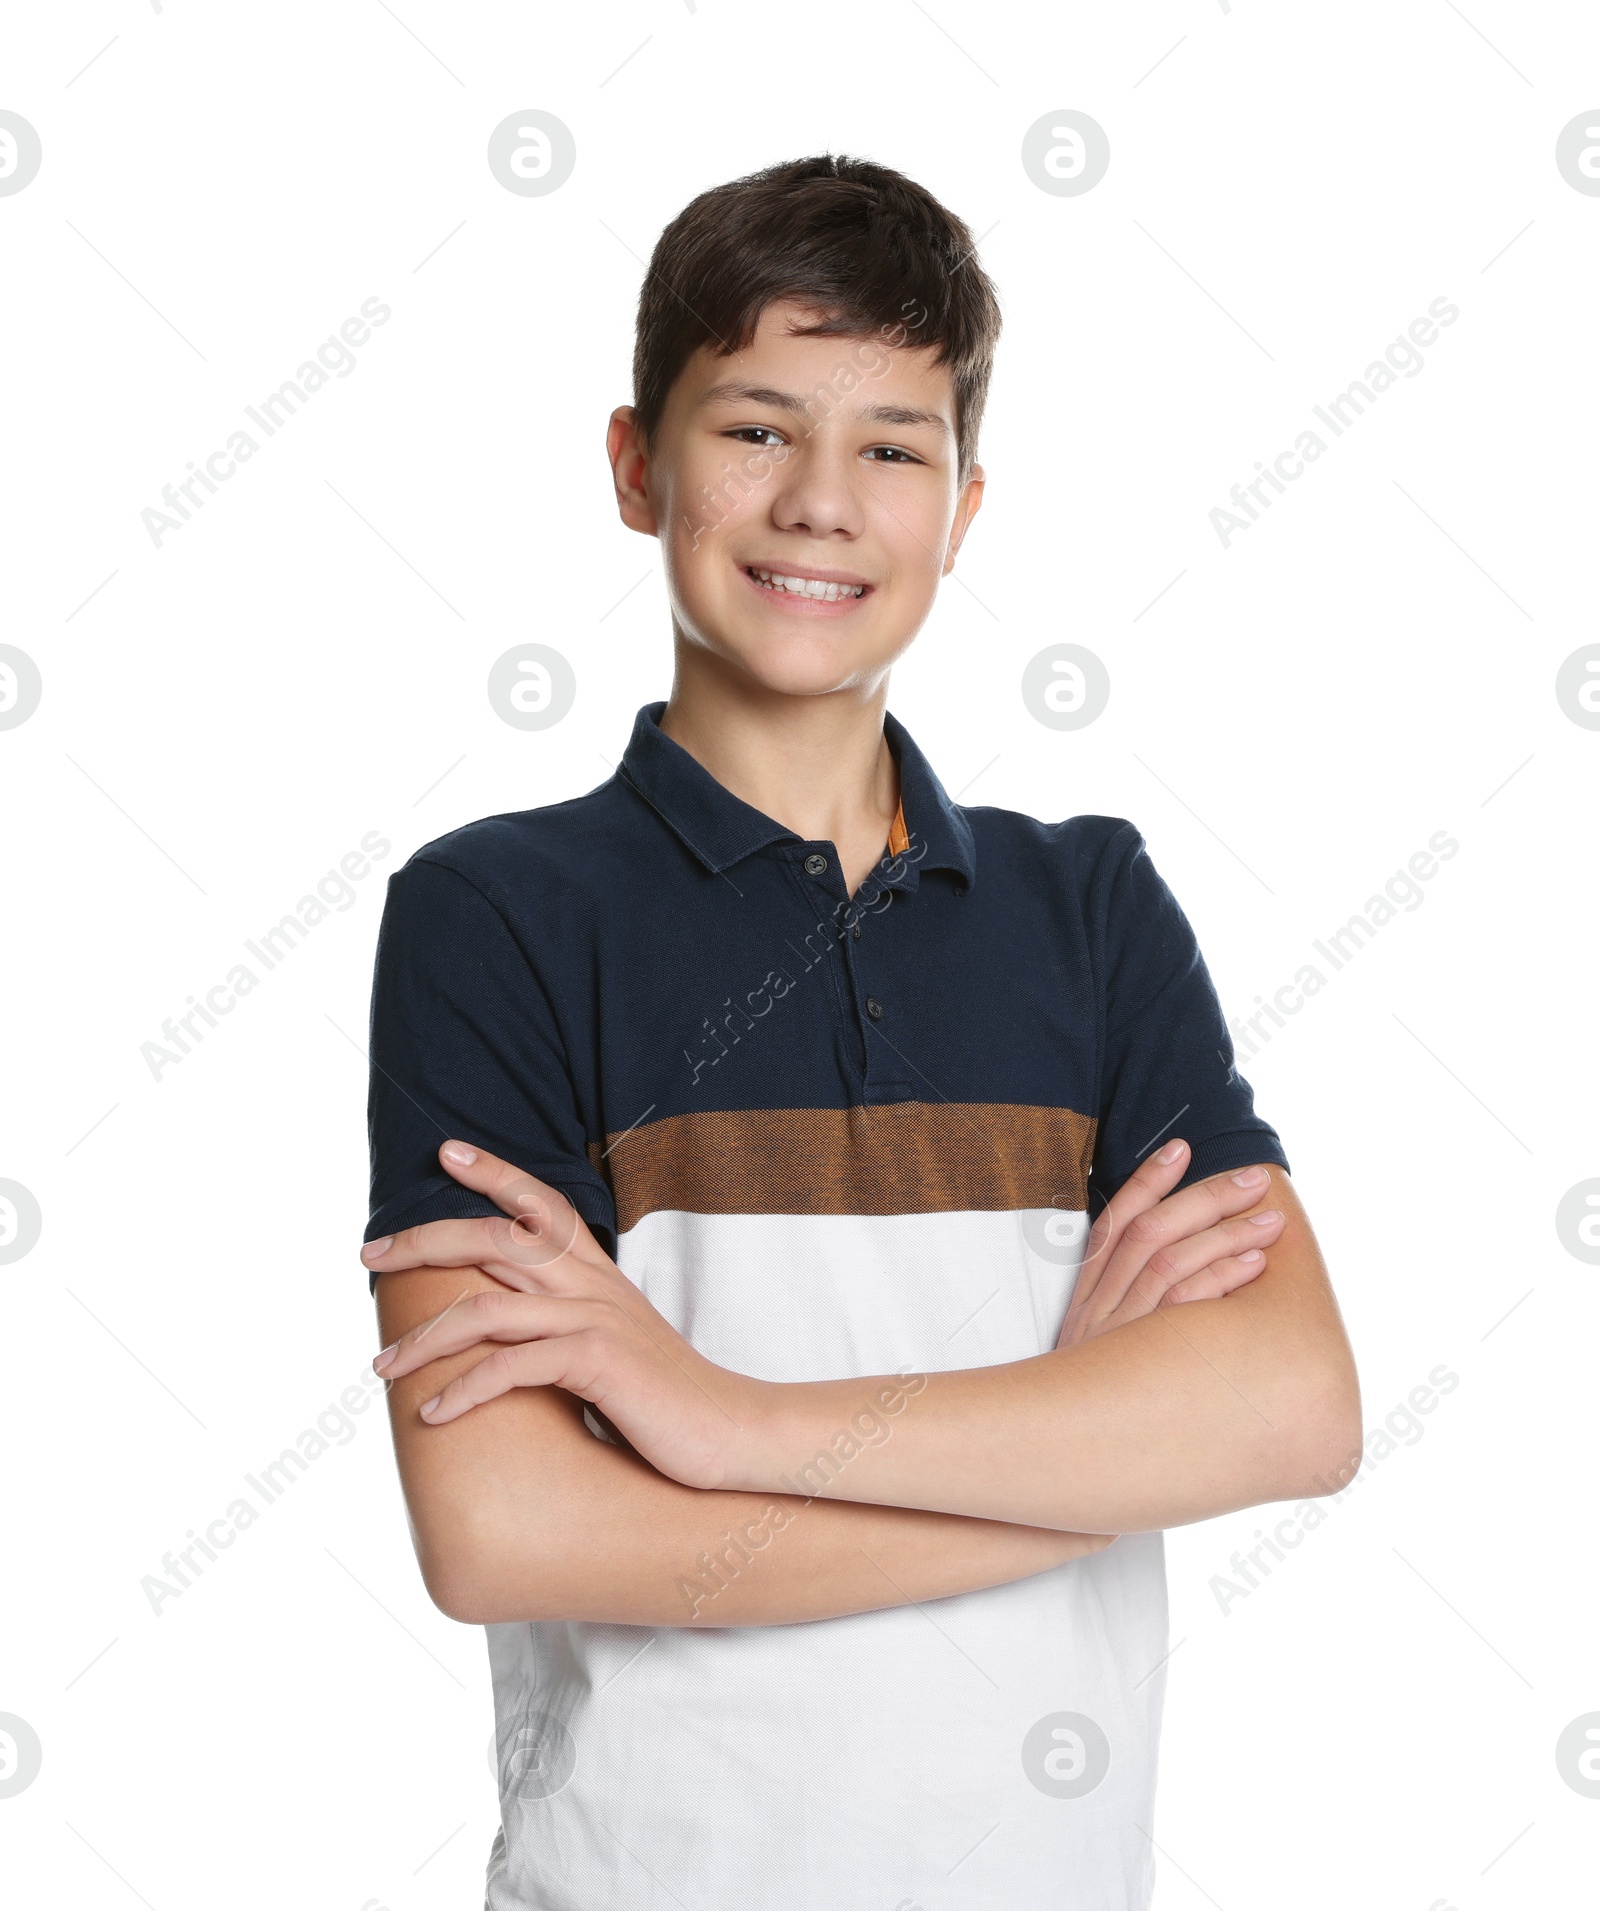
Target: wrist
[755, 1440]
[799, 1436]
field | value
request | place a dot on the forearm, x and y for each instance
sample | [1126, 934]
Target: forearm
[649, 1552]
[1123, 1434]
[1179, 1416]
[518, 1512]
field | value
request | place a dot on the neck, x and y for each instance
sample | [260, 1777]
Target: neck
[820, 765]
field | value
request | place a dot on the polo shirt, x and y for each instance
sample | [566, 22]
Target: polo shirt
[826, 1135]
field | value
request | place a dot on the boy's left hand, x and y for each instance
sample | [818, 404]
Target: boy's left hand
[567, 1316]
[1152, 1249]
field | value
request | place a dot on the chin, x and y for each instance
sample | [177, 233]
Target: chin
[801, 664]
[799, 678]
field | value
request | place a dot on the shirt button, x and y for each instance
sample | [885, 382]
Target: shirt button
[855, 930]
[816, 865]
[874, 1007]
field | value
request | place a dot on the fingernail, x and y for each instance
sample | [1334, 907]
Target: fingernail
[1250, 1256]
[428, 1406]
[385, 1357]
[459, 1153]
[1250, 1177]
[375, 1249]
[1265, 1220]
[1171, 1152]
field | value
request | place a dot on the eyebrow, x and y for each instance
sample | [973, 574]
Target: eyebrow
[734, 393]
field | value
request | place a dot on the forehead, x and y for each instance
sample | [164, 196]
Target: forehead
[878, 367]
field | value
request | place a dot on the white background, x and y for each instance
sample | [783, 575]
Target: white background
[224, 718]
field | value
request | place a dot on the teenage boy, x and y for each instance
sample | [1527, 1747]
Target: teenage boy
[735, 1131]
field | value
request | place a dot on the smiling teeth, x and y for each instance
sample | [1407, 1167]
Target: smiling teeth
[806, 586]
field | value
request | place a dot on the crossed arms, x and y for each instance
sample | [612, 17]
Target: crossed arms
[1189, 1381]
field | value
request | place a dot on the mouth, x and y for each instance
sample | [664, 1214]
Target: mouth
[807, 587]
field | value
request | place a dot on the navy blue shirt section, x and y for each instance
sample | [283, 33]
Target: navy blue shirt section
[1167, 1066]
[549, 980]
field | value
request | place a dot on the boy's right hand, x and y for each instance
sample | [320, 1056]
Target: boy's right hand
[1150, 1249]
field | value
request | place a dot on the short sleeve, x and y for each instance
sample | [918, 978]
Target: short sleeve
[1168, 1064]
[464, 1042]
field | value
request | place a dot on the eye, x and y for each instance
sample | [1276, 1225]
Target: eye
[891, 454]
[751, 434]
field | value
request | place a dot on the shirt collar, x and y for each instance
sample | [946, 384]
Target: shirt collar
[721, 829]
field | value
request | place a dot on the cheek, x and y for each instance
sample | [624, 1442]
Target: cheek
[700, 577]
[707, 500]
[685, 555]
[913, 531]
[918, 567]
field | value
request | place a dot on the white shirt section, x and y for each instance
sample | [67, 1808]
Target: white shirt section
[828, 1296]
[924, 1758]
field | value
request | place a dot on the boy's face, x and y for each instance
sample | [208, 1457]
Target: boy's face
[827, 462]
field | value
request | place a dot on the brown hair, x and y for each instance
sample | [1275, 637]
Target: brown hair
[861, 244]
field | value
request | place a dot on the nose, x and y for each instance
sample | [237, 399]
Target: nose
[817, 492]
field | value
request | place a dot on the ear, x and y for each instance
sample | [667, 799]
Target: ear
[966, 511]
[630, 466]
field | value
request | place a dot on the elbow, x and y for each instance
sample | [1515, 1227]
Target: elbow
[1325, 1449]
[481, 1586]
[453, 1582]
[458, 1566]
[459, 1599]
